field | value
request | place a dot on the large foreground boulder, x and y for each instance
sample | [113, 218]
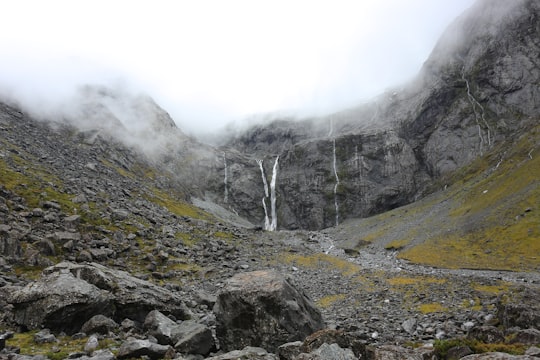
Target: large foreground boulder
[263, 309]
[59, 301]
[68, 295]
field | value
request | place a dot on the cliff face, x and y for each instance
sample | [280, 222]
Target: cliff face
[478, 89]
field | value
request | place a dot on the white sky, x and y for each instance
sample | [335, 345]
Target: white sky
[209, 62]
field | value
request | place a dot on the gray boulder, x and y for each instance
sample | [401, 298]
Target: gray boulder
[393, 352]
[59, 301]
[329, 352]
[248, 353]
[104, 354]
[187, 337]
[497, 356]
[263, 309]
[133, 298]
[44, 336]
[526, 336]
[162, 328]
[135, 348]
[99, 324]
[70, 294]
[522, 315]
[10, 245]
[195, 338]
[487, 334]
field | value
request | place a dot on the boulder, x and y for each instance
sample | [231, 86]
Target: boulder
[526, 336]
[162, 328]
[135, 348]
[195, 338]
[523, 315]
[486, 334]
[68, 295]
[332, 336]
[497, 356]
[248, 353]
[457, 352]
[10, 245]
[289, 351]
[393, 352]
[329, 352]
[188, 337]
[59, 301]
[263, 309]
[133, 298]
[44, 336]
[99, 324]
[104, 354]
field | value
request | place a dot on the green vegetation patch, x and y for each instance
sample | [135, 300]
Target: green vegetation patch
[35, 186]
[54, 351]
[477, 347]
[176, 205]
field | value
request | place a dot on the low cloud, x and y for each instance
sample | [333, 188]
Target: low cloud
[208, 68]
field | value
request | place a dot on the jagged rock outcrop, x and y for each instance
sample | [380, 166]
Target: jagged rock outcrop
[263, 309]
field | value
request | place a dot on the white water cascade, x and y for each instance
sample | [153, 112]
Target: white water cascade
[273, 225]
[336, 184]
[225, 180]
[265, 185]
[474, 103]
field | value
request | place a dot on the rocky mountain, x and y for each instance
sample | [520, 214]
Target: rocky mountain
[477, 90]
[121, 237]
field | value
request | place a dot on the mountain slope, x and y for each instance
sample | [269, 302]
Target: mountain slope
[488, 219]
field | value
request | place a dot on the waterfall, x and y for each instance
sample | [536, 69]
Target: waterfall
[266, 220]
[226, 191]
[336, 184]
[477, 117]
[269, 225]
[265, 184]
[273, 225]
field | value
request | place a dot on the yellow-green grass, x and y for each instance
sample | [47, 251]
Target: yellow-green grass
[417, 281]
[35, 186]
[329, 300]
[431, 308]
[497, 248]
[319, 260]
[176, 205]
[500, 287]
[499, 214]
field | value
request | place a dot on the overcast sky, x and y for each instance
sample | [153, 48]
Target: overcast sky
[211, 62]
